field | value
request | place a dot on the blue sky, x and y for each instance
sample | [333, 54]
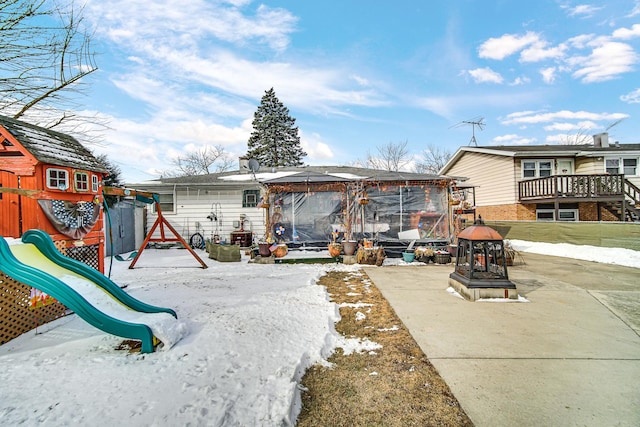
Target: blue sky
[178, 76]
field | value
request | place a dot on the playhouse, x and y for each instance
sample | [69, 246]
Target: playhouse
[49, 181]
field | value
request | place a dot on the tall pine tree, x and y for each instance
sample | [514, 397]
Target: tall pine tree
[274, 140]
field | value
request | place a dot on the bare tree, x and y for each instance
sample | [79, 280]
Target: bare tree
[203, 161]
[391, 156]
[434, 159]
[45, 52]
[582, 137]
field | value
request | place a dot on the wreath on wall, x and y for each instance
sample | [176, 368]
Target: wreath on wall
[74, 220]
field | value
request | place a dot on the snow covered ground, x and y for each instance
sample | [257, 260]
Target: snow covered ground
[252, 332]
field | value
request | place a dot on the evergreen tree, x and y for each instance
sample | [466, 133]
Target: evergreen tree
[113, 179]
[274, 140]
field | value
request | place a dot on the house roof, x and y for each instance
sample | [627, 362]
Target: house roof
[291, 174]
[585, 150]
[51, 147]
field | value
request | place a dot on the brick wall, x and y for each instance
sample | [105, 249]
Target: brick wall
[522, 212]
[510, 212]
[589, 212]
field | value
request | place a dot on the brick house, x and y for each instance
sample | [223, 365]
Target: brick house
[594, 182]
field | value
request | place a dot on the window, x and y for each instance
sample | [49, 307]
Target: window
[167, 202]
[612, 166]
[250, 198]
[630, 166]
[624, 165]
[57, 179]
[545, 168]
[545, 215]
[537, 168]
[81, 181]
[528, 169]
[566, 212]
[94, 183]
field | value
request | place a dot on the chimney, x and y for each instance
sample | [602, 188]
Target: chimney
[243, 164]
[601, 140]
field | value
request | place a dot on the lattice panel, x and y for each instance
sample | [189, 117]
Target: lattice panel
[60, 245]
[16, 315]
[86, 254]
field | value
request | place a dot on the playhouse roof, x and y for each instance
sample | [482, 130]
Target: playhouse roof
[51, 147]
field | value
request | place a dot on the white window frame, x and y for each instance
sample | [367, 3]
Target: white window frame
[95, 183]
[560, 212]
[537, 169]
[61, 183]
[621, 166]
[84, 181]
[164, 197]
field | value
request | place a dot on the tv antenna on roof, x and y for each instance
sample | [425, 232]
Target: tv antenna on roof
[478, 121]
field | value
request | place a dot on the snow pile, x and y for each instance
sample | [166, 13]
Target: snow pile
[617, 256]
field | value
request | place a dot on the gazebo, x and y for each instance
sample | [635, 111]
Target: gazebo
[481, 267]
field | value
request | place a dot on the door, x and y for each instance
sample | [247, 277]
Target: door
[121, 229]
[565, 167]
[9, 206]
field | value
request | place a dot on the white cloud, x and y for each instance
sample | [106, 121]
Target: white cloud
[581, 41]
[635, 11]
[506, 45]
[627, 33]
[582, 10]
[441, 106]
[362, 81]
[548, 74]
[485, 75]
[520, 81]
[540, 52]
[566, 126]
[183, 24]
[606, 62]
[318, 152]
[533, 117]
[512, 139]
[632, 97]
[560, 138]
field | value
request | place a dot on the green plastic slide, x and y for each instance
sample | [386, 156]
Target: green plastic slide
[37, 263]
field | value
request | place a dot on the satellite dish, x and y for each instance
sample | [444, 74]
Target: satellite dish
[254, 166]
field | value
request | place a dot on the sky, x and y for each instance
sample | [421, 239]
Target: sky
[250, 332]
[176, 77]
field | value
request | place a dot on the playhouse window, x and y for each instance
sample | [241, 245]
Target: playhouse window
[94, 183]
[81, 181]
[57, 179]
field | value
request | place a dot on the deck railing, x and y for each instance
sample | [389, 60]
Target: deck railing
[572, 186]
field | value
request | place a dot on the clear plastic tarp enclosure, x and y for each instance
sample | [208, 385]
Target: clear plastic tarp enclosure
[408, 211]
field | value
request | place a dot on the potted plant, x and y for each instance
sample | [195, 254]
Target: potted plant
[442, 257]
[280, 249]
[509, 253]
[408, 255]
[264, 245]
[424, 254]
[334, 247]
[349, 246]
